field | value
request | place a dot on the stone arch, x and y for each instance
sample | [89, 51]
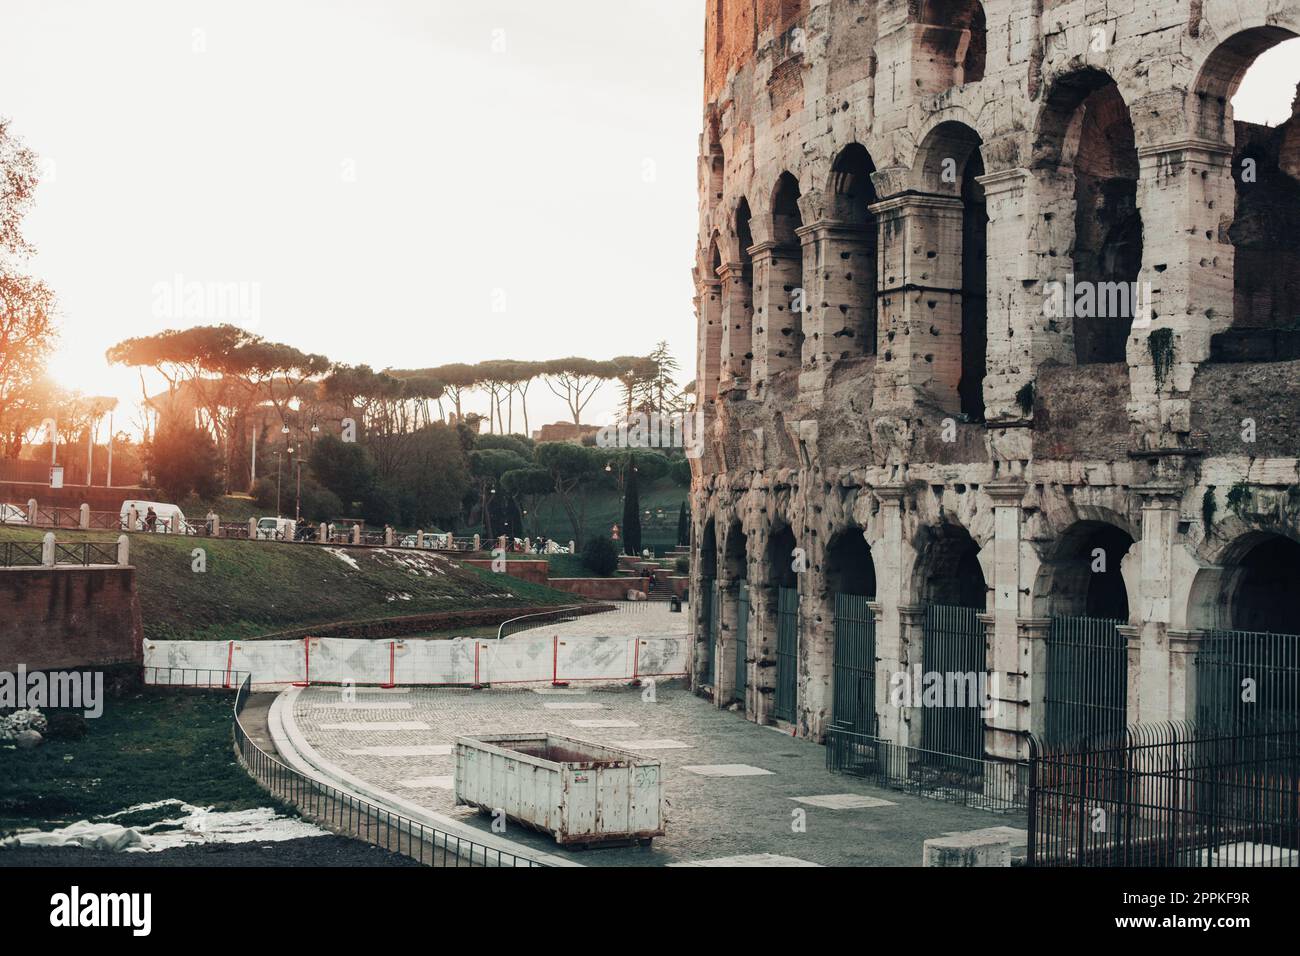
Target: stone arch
[738, 285]
[1085, 157]
[951, 44]
[949, 164]
[850, 252]
[1251, 586]
[948, 568]
[778, 284]
[849, 565]
[1082, 574]
[1265, 198]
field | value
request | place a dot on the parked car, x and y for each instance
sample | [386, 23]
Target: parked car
[168, 518]
[276, 529]
[13, 514]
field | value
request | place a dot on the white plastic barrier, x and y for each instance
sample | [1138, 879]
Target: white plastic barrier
[457, 661]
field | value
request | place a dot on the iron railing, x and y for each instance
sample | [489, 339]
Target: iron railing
[713, 610]
[742, 641]
[337, 809]
[995, 785]
[1247, 675]
[1168, 795]
[787, 654]
[526, 622]
[853, 686]
[955, 648]
[21, 554]
[1087, 678]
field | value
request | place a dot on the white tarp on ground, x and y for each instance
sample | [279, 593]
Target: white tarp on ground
[461, 660]
[180, 825]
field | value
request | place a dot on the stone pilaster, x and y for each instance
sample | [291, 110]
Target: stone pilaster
[1160, 504]
[840, 300]
[1009, 656]
[918, 307]
[737, 347]
[778, 322]
[1186, 194]
[709, 349]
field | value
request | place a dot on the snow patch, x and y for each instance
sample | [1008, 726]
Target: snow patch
[345, 558]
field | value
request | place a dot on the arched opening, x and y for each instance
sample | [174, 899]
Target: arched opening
[849, 260]
[934, 315]
[1265, 167]
[954, 653]
[735, 569]
[1088, 155]
[785, 318]
[851, 584]
[783, 578]
[1082, 586]
[1248, 673]
[740, 301]
[1265, 594]
[952, 44]
[706, 622]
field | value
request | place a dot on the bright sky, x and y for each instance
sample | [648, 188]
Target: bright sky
[395, 182]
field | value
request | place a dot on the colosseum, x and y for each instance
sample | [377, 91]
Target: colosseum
[998, 352]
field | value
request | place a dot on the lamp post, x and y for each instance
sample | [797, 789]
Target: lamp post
[297, 495]
[277, 484]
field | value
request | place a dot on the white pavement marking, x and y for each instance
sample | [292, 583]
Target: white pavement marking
[844, 801]
[560, 691]
[604, 723]
[661, 744]
[428, 783]
[728, 770]
[574, 706]
[382, 690]
[368, 705]
[378, 725]
[752, 859]
[430, 750]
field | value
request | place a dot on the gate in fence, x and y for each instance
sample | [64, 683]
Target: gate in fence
[787, 653]
[853, 701]
[1087, 678]
[1247, 675]
[742, 641]
[1172, 794]
[709, 595]
[955, 649]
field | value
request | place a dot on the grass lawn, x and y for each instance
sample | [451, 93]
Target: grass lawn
[605, 508]
[146, 746]
[252, 588]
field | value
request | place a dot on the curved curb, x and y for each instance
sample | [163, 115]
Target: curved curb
[299, 754]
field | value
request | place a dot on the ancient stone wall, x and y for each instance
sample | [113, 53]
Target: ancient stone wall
[969, 279]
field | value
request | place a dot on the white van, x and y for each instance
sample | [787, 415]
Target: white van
[276, 529]
[170, 518]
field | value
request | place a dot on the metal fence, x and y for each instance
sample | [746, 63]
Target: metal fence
[1087, 678]
[20, 554]
[787, 653]
[1247, 675]
[853, 701]
[333, 808]
[742, 641]
[713, 612]
[971, 782]
[1168, 795]
[955, 648]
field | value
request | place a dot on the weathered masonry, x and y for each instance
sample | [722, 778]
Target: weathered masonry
[999, 352]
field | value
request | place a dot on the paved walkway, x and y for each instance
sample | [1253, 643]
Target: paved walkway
[733, 789]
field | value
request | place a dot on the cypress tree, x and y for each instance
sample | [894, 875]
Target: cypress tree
[683, 526]
[631, 511]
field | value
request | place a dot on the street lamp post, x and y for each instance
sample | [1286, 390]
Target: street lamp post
[277, 484]
[297, 495]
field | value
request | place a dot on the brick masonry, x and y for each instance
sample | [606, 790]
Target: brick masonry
[68, 617]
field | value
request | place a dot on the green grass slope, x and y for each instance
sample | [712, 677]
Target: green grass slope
[253, 588]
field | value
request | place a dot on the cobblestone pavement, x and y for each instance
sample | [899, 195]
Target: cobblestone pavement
[714, 812]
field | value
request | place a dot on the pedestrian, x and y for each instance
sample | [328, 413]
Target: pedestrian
[150, 520]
